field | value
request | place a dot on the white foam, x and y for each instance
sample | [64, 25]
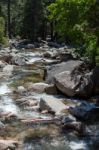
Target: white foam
[7, 105]
[4, 89]
[78, 145]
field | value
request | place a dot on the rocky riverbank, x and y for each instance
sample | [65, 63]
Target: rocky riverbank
[48, 99]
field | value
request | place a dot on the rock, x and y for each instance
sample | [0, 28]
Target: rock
[70, 123]
[95, 79]
[18, 60]
[1, 46]
[8, 145]
[21, 89]
[2, 125]
[52, 71]
[65, 56]
[52, 104]
[6, 58]
[8, 70]
[86, 112]
[51, 89]
[71, 85]
[48, 54]
[53, 44]
[38, 87]
[2, 64]
[30, 46]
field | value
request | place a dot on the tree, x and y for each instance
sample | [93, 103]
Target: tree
[33, 16]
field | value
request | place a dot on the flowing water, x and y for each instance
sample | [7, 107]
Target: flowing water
[37, 137]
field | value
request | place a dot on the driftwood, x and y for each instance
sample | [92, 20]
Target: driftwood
[40, 121]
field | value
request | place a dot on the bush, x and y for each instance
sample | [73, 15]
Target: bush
[3, 39]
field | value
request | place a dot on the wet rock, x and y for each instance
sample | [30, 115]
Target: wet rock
[8, 145]
[51, 90]
[52, 104]
[38, 87]
[70, 123]
[65, 56]
[2, 64]
[86, 112]
[94, 99]
[8, 70]
[48, 54]
[6, 58]
[52, 71]
[95, 79]
[1, 46]
[71, 85]
[18, 60]
[30, 46]
[54, 44]
[21, 89]
[2, 125]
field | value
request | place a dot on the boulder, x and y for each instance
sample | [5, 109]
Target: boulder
[38, 87]
[52, 71]
[8, 145]
[2, 64]
[51, 89]
[18, 60]
[48, 54]
[65, 56]
[95, 79]
[74, 84]
[21, 89]
[86, 112]
[52, 104]
[8, 70]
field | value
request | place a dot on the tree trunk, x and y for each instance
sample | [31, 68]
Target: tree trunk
[52, 30]
[9, 18]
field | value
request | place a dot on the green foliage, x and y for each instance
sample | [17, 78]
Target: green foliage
[3, 39]
[76, 23]
[32, 19]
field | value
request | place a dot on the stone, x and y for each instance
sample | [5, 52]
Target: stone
[38, 87]
[18, 60]
[71, 85]
[52, 104]
[48, 54]
[52, 71]
[76, 126]
[86, 112]
[8, 145]
[8, 70]
[2, 125]
[51, 89]
[95, 79]
[21, 89]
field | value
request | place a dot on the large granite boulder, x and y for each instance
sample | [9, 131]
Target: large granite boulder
[74, 84]
[52, 71]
